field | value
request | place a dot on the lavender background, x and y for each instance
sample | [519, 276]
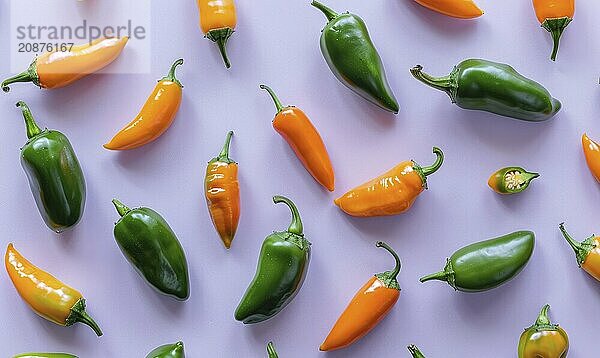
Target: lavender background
[277, 43]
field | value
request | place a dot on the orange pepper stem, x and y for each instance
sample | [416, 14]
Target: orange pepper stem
[416, 353]
[78, 314]
[220, 37]
[394, 273]
[556, 27]
[276, 100]
[32, 128]
[436, 165]
[171, 75]
[327, 11]
[224, 154]
[582, 249]
[121, 208]
[29, 75]
[296, 223]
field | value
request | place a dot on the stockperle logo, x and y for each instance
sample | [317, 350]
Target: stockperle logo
[61, 25]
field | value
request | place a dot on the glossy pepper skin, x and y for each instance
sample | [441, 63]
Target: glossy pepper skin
[55, 176]
[543, 339]
[217, 21]
[271, 352]
[415, 352]
[156, 115]
[282, 267]
[304, 139]
[587, 252]
[58, 69]
[367, 308]
[168, 351]
[353, 59]
[591, 150]
[511, 180]
[222, 192]
[461, 9]
[487, 264]
[391, 193]
[47, 296]
[555, 16]
[493, 87]
[45, 355]
[151, 247]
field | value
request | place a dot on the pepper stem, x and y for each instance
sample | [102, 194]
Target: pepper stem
[416, 353]
[171, 75]
[442, 276]
[220, 37]
[296, 223]
[394, 273]
[436, 165]
[556, 26]
[276, 100]
[543, 319]
[24, 76]
[32, 128]
[271, 350]
[78, 314]
[121, 208]
[327, 11]
[224, 155]
[581, 249]
[445, 83]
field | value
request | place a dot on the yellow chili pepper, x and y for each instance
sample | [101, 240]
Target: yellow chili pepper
[587, 252]
[46, 295]
[391, 193]
[155, 117]
[217, 21]
[58, 69]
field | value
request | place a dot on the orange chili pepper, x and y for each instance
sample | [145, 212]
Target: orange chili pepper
[155, 117]
[47, 296]
[217, 21]
[222, 191]
[295, 127]
[555, 16]
[587, 252]
[462, 9]
[368, 307]
[58, 69]
[591, 150]
[391, 193]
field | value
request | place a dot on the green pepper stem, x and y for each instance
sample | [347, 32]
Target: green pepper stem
[224, 155]
[296, 223]
[442, 276]
[121, 208]
[276, 100]
[556, 26]
[32, 128]
[78, 314]
[543, 319]
[271, 350]
[445, 83]
[171, 75]
[416, 353]
[436, 165]
[556, 34]
[330, 14]
[24, 76]
[396, 270]
[581, 249]
[220, 37]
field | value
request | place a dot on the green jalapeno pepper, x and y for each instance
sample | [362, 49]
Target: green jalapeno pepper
[150, 245]
[511, 180]
[271, 350]
[543, 339]
[353, 59]
[168, 351]
[487, 264]
[493, 87]
[45, 355]
[415, 352]
[54, 174]
[282, 267]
